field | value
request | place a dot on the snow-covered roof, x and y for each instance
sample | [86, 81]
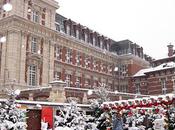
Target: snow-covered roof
[164, 58]
[58, 82]
[163, 66]
[170, 95]
[141, 72]
[35, 88]
[44, 103]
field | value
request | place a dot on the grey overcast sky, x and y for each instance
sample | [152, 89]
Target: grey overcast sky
[149, 23]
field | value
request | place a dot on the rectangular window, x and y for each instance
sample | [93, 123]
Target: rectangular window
[58, 52]
[57, 27]
[95, 65]
[123, 70]
[68, 30]
[163, 84]
[78, 59]
[125, 89]
[87, 82]
[110, 86]
[138, 88]
[68, 80]
[35, 16]
[87, 62]
[109, 69]
[69, 56]
[78, 82]
[85, 37]
[95, 83]
[77, 34]
[94, 41]
[34, 45]
[102, 67]
[32, 75]
[57, 76]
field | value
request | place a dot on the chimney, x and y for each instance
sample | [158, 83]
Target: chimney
[170, 50]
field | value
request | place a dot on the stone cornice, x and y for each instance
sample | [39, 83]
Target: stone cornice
[52, 3]
[129, 57]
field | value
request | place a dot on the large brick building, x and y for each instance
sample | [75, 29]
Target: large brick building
[159, 78]
[42, 46]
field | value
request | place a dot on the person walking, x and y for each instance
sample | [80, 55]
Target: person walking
[117, 121]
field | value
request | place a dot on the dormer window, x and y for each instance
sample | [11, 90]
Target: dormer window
[85, 37]
[57, 26]
[107, 46]
[101, 43]
[94, 40]
[77, 33]
[68, 30]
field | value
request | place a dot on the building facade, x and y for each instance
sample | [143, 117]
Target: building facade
[158, 79]
[42, 46]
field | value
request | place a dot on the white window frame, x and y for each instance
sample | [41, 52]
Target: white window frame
[68, 78]
[87, 62]
[58, 52]
[137, 85]
[78, 59]
[77, 83]
[69, 56]
[35, 16]
[95, 65]
[163, 84]
[57, 75]
[32, 75]
[34, 45]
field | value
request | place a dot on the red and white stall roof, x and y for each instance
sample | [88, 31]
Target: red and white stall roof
[152, 101]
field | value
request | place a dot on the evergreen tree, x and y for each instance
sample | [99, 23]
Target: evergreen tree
[102, 118]
[72, 118]
[11, 117]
